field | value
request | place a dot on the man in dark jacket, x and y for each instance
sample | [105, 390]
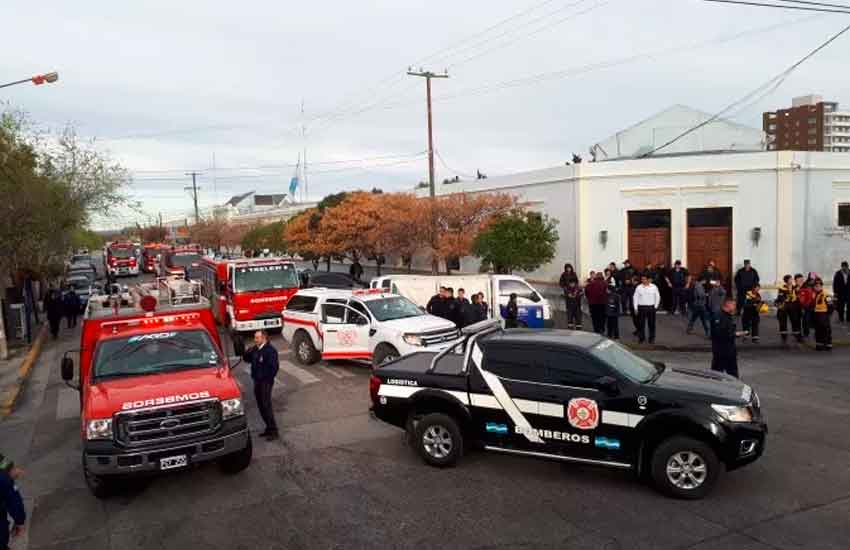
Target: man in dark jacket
[356, 270]
[841, 291]
[264, 366]
[437, 304]
[463, 309]
[54, 308]
[71, 304]
[627, 287]
[597, 297]
[746, 279]
[11, 503]
[678, 278]
[724, 349]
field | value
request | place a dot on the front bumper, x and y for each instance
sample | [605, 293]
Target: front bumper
[744, 444]
[136, 461]
[126, 271]
[257, 324]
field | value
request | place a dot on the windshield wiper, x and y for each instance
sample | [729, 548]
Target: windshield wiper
[659, 370]
[107, 375]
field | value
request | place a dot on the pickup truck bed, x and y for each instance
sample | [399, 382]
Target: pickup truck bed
[418, 363]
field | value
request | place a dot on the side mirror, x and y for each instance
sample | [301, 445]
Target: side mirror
[238, 345]
[67, 369]
[608, 385]
[534, 297]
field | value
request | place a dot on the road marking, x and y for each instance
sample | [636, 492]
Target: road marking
[338, 373]
[67, 404]
[302, 375]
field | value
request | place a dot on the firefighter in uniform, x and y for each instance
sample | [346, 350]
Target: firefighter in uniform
[751, 319]
[783, 303]
[795, 308]
[724, 349]
[821, 313]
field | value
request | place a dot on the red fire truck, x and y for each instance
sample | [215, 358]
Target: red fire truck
[249, 294]
[151, 256]
[181, 260]
[156, 389]
[121, 259]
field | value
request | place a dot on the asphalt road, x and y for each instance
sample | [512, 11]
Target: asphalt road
[338, 479]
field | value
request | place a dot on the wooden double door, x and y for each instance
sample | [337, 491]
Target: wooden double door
[710, 238]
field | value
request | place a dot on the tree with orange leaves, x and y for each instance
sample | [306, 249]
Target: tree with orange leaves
[403, 227]
[459, 219]
[302, 234]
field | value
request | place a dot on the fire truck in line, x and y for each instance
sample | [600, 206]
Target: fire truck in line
[156, 389]
[152, 255]
[181, 260]
[121, 259]
[248, 294]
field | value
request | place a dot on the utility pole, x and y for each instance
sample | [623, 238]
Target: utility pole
[428, 75]
[194, 190]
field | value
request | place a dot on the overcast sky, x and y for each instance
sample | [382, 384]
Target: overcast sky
[165, 86]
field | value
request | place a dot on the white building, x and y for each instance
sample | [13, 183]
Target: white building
[787, 211]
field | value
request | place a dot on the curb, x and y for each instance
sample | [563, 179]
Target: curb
[24, 372]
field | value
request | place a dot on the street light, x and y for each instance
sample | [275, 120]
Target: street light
[38, 79]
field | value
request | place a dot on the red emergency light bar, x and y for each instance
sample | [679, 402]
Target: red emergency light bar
[366, 291]
[149, 320]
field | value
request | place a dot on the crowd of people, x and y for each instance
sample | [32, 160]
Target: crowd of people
[803, 305]
[59, 304]
[464, 311]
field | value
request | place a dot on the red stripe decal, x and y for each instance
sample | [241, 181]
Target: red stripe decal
[295, 321]
[346, 355]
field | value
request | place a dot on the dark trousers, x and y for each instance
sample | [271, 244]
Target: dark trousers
[54, 330]
[72, 319]
[5, 529]
[795, 318]
[263, 394]
[823, 330]
[782, 318]
[725, 363]
[597, 314]
[573, 316]
[613, 327]
[842, 305]
[739, 300]
[750, 322]
[626, 301]
[680, 300]
[807, 322]
[646, 316]
[699, 312]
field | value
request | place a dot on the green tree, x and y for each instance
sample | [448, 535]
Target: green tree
[518, 240]
[266, 236]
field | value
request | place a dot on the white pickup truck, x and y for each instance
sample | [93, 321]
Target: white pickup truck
[369, 325]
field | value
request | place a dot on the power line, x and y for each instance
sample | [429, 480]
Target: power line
[814, 3]
[789, 7]
[774, 82]
[449, 168]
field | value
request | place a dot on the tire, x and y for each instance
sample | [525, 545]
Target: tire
[304, 350]
[100, 486]
[238, 461]
[439, 440]
[683, 467]
[384, 353]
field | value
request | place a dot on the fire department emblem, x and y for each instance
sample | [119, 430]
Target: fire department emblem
[583, 413]
[347, 337]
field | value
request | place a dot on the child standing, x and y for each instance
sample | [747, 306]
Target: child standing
[821, 312]
[751, 319]
[612, 315]
[572, 295]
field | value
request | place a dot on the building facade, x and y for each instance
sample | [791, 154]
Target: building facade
[787, 211]
[810, 124]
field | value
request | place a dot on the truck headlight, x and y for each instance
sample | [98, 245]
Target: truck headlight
[734, 413]
[100, 428]
[413, 339]
[231, 408]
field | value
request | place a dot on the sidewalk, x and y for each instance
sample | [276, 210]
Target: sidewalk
[670, 329]
[15, 371]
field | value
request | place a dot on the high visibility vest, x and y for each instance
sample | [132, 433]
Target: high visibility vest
[822, 301]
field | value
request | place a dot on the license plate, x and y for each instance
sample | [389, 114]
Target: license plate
[271, 323]
[171, 462]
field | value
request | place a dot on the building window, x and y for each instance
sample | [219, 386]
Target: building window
[844, 214]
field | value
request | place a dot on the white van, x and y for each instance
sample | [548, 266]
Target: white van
[534, 310]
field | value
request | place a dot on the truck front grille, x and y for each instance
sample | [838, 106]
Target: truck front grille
[167, 424]
[439, 337]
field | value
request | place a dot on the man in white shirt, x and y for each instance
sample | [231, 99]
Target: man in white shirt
[646, 301]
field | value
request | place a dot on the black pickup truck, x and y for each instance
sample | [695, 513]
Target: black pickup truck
[571, 396]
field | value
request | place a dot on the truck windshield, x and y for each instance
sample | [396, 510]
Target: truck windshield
[81, 259]
[265, 277]
[79, 284]
[121, 252]
[397, 307]
[623, 361]
[185, 259]
[153, 353]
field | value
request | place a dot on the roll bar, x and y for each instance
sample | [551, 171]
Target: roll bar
[469, 335]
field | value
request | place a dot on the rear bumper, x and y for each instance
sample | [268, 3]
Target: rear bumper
[257, 324]
[147, 460]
